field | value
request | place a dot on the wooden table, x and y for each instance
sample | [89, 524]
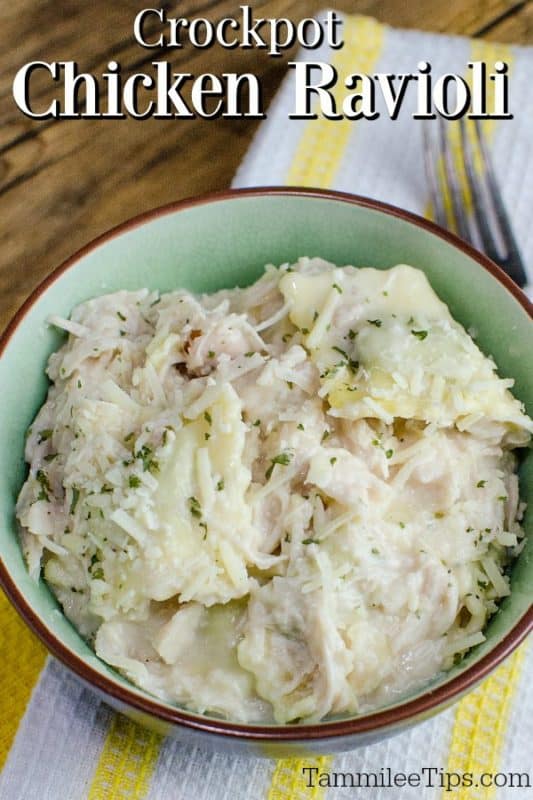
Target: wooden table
[64, 182]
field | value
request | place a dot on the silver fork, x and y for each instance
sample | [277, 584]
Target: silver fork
[487, 227]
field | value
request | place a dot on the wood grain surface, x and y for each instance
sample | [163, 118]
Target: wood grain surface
[64, 182]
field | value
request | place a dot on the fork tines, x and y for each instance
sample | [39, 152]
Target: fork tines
[465, 194]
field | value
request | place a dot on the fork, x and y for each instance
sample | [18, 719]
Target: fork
[471, 203]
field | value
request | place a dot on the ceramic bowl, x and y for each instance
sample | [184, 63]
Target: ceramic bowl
[222, 241]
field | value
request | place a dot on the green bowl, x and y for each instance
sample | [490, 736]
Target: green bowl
[222, 241]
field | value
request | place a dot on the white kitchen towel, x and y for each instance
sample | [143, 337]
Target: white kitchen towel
[70, 746]
[383, 158]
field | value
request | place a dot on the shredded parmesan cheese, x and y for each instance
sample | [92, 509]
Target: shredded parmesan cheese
[276, 503]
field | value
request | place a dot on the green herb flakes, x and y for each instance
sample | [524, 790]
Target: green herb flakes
[282, 458]
[42, 480]
[75, 498]
[150, 464]
[195, 507]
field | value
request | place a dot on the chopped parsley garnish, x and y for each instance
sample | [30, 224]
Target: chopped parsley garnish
[44, 435]
[389, 453]
[337, 287]
[42, 480]
[376, 322]
[134, 481]
[207, 417]
[121, 316]
[195, 507]
[207, 436]
[352, 334]
[329, 371]
[315, 316]
[333, 460]
[287, 537]
[150, 464]
[300, 427]
[325, 436]
[220, 485]
[480, 484]
[375, 551]
[343, 353]
[129, 438]
[310, 541]
[353, 365]
[305, 331]
[257, 423]
[249, 354]
[106, 489]
[79, 384]
[282, 458]
[502, 497]
[285, 338]
[51, 456]
[420, 334]
[290, 384]
[211, 354]
[75, 498]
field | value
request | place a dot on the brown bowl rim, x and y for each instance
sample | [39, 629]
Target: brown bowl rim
[373, 722]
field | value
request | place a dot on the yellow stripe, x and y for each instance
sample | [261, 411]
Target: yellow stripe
[480, 725]
[126, 763]
[324, 141]
[23, 658]
[290, 783]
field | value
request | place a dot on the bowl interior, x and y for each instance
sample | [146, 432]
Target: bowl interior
[227, 242]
